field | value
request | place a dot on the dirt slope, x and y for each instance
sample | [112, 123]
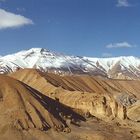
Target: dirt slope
[22, 108]
[76, 83]
[100, 97]
[26, 114]
[105, 99]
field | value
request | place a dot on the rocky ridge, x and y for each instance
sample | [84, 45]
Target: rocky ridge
[47, 61]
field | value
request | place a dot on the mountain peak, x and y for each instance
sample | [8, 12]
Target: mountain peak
[35, 50]
[45, 60]
[38, 50]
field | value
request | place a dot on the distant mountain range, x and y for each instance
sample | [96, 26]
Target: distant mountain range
[45, 60]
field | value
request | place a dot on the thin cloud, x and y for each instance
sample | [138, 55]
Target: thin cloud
[123, 3]
[120, 45]
[11, 20]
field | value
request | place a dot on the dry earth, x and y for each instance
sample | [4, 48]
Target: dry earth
[36, 105]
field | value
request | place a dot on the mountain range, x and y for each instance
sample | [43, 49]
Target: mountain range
[37, 106]
[47, 95]
[124, 67]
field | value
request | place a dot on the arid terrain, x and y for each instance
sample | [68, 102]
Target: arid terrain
[69, 70]
[37, 106]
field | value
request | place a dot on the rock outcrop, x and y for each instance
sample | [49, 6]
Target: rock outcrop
[105, 99]
[40, 106]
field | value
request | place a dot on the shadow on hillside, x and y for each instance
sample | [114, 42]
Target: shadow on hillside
[57, 110]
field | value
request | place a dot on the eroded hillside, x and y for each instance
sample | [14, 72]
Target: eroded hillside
[24, 108]
[105, 99]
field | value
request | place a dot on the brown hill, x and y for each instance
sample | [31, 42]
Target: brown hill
[106, 99]
[103, 98]
[76, 83]
[26, 113]
[23, 108]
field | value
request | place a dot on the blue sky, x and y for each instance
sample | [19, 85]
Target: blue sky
[97, 28]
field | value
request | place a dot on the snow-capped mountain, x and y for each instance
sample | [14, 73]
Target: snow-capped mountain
[117, 67]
